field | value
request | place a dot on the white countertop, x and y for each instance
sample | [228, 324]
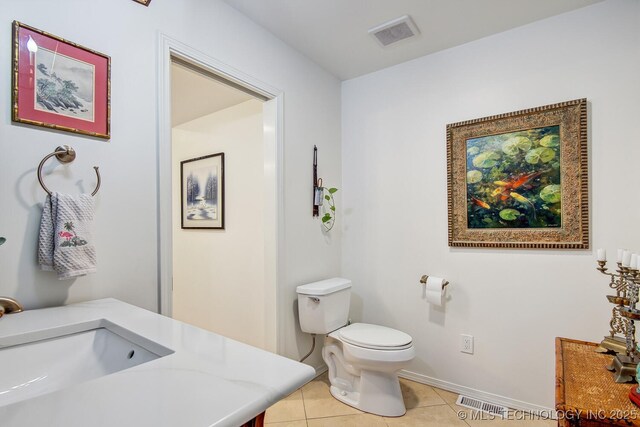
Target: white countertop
[209, 380]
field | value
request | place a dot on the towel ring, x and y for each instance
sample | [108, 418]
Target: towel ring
[64, 154]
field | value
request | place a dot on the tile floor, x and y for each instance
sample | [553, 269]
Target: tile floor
[313, 406]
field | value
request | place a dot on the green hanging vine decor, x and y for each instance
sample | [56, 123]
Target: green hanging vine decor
[329, 217]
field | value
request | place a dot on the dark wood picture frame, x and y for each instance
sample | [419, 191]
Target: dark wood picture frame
[143, 2]
[202, 192]
[523, 193]
[59, 84]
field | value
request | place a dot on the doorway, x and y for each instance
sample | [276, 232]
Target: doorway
[220, 279]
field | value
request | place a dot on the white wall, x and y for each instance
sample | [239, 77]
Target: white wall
[218, 275]
[394, 176]
[126, 213]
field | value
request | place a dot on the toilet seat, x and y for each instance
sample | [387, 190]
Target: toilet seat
[374, 337]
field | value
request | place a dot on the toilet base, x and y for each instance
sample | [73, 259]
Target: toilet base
[366, 378]
[378, 393]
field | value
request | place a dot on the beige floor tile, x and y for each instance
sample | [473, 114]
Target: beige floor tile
[291, 408]
[428, 416]
[514, 419]
[298, 423]
[318, 401]
[314, 406]
[416, 395]
[466, 413]
[314, 387]
[448, 396]
[360, 420]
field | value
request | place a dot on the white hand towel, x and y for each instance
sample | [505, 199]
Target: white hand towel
[65, 242]
[45, 237]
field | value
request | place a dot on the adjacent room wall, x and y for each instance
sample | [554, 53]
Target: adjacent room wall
[218, 275]
[126, 223]
[515, 302]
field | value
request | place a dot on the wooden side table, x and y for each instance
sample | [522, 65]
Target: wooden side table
[586, 394]
[258, 421]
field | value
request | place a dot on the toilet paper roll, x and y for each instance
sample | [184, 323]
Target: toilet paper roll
[435, 289]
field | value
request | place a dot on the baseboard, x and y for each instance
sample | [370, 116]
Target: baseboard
[478, 394]
[320, 369]
[467, 391]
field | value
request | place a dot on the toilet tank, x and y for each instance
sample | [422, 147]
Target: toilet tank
[323, 306]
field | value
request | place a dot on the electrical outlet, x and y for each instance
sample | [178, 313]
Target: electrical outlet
[466, 343]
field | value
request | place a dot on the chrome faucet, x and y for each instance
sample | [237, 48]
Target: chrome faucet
[9, 305]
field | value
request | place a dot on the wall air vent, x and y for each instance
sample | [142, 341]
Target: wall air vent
[482, 406]
[395, 30]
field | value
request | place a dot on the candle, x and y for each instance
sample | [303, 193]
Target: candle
[634, 262]
[626, 258]
[602, 255]
[620, 251]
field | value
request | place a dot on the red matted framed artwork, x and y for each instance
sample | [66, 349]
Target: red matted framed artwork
[58, 84]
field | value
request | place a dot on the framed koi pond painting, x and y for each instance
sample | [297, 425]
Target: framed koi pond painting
[520, 179]
[202, 192]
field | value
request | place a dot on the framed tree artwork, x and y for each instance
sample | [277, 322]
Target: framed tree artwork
[59, 84]
[202, 192]
[520, 179]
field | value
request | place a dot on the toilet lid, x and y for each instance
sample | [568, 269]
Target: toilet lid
[374, 336]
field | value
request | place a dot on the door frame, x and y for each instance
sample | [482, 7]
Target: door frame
[274, 181]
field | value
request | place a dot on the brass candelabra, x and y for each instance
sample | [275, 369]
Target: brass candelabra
[622, 335]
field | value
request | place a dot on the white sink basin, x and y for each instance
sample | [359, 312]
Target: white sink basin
[40, 362]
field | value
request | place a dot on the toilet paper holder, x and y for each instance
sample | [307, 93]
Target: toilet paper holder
[424, 278]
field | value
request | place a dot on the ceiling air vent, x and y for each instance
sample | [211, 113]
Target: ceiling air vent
[394, 30]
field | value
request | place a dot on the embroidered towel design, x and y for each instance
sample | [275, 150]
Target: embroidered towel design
[65, 243]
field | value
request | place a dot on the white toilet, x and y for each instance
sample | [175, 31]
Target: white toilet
[363, 359]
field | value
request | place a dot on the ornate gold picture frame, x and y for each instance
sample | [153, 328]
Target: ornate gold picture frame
[520, 179]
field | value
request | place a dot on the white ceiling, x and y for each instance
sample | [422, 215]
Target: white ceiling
[333, 33]
[195, 95]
